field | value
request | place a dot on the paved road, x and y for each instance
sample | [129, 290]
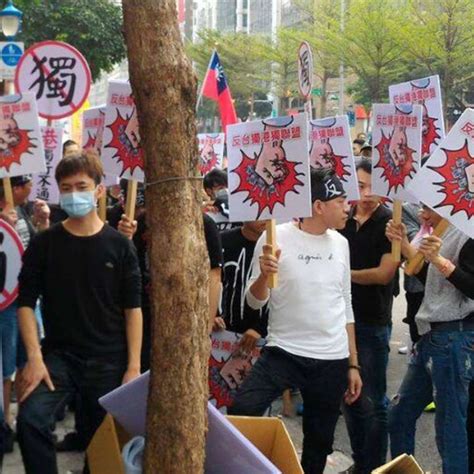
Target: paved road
[426, 454]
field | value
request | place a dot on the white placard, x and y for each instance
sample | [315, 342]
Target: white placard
[58, 75]
[331, 148]
[93, 128]
[446, 182]
[211, 151]
[396, 145]
[427, 93]
[269, 169]
[21, 146]
[44, 184]
[122, 154]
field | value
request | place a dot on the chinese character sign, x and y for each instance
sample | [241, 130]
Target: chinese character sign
[58, 76]
[446, 182]
[427, 93]
[21, 148]
[269, 169]
[331, 148]
[211, 151]
[228, 367]
[122, 154]
[11, 251]
[44, 184]
[396, 138]
[305, 69]
[93, 128]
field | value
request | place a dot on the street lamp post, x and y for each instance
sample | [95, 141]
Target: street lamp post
[11, 19]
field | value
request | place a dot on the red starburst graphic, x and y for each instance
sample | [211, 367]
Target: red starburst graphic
[208, 165]
[338, 166]
[129, 156]
[430, 136]
[90, 144]
[13, 154]
[219, 390]
[395, 172]
[457, 186]
[258, 190]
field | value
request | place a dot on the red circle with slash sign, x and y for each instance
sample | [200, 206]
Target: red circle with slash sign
[58, 75]
[11, 251]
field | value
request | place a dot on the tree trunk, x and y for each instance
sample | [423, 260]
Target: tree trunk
[324, 98]
[164, 87]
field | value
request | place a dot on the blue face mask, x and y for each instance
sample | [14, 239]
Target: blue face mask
[78, 204]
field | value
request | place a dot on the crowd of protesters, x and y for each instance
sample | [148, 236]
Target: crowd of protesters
[80, 326]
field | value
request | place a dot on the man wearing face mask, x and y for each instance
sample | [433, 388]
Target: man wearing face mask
[89, 280]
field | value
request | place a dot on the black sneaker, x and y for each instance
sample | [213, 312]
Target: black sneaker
[71, 442]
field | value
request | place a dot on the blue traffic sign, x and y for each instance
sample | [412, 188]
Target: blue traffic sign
[11, 54]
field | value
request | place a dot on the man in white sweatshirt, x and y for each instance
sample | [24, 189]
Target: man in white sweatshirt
[311, 343]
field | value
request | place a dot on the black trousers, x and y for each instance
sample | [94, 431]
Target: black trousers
[322, 384]
[91, 378]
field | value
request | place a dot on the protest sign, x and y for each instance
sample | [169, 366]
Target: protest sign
[11, 250]
[228, 367]
[427, 93]
[21, 147]
[44, 184]
[58, 75]
[305, 75]
[269, 169]
[93, 128]
[396, 138]
[211, 151]
[446, 182]
[269, 173]
[331, 148]
[121, 154]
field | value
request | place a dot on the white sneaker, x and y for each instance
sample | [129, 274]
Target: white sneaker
[403, 350]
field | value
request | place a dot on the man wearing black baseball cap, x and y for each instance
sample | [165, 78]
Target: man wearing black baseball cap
[311, 342]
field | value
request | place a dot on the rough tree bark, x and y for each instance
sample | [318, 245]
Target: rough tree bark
[164, 87]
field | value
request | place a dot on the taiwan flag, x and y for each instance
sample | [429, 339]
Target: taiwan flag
[215, 87]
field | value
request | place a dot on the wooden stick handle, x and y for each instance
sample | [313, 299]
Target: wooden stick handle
[8, 192]
[103, 207]
[271, 240]
[415, 264]
[131, 199]
[397, 219]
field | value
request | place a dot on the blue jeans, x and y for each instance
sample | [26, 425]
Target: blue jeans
[366, 419]
[440, 369]
[91, 378]
[9, 339]
[322, 384]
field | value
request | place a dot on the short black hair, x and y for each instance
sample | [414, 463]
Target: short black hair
[215, 177]
[87, 162]
[359, 141]
[68, 143]
[364, 164]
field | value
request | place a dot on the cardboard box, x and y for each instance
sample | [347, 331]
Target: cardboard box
[403, 464]
[269, 435]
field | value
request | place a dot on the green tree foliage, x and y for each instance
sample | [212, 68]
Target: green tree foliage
[93, 27]
[439, 35]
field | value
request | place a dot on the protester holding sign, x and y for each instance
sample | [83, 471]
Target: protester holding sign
[372, 273]
[310, 332]
[26, 220]
[441, 365]
[88, 277]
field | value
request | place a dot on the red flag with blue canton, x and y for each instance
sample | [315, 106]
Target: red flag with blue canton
[215, 87]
